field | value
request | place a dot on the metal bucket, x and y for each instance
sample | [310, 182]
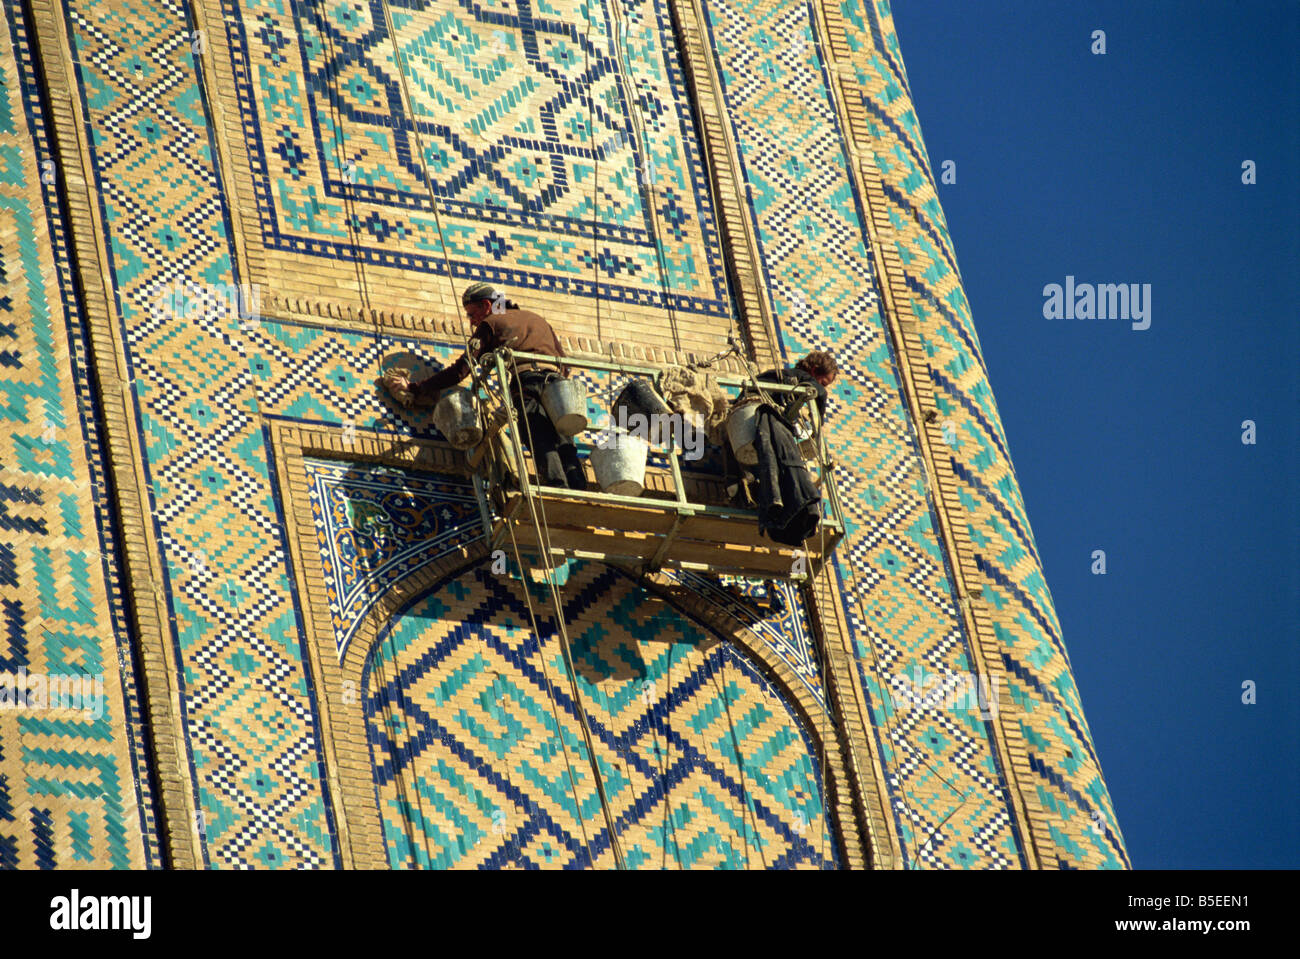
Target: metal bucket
[457, 418]
[639, 396]
[620, 463]
[742, 426]
[565, 402]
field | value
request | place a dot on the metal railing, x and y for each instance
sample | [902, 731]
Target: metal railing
[498, 365]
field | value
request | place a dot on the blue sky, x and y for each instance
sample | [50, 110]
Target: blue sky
[1127, 168]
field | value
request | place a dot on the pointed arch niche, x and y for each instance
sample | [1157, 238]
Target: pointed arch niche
[450, 733]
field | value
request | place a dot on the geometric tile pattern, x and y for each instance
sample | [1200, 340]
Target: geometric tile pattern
[703, 763]
[247, 707]
[553, 171]
[521, 123]
[375, 526]
[1066, 771]
[773, 610]
[74, 789]
[949, 801]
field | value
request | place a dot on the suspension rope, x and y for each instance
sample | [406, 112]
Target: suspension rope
[400, 61]
[754, 382]
[648, 179]
[706, 160]
[539, 524]
[747, 798]
[502, 397]
[669, 827]
[544, 542]
[550, 694]
[543, 528]
[823, 658]
[347, 168]
[389, 715]
[856, 600]
[340, 142]
[723, 354]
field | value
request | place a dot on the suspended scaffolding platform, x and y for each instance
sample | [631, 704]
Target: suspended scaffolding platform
[683, 520]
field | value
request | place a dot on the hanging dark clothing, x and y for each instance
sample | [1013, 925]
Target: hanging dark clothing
[789, 503]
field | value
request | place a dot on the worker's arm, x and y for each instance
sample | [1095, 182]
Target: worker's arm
[485, 339]
[427, 390]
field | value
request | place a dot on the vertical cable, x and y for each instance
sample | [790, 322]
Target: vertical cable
[648, 181]
[409, 108]
[544, 544]
[345, 166]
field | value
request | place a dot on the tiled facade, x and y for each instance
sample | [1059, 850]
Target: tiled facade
[704, 762]
[313, 662]
[74, 782]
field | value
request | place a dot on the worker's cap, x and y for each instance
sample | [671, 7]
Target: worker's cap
[478, 291]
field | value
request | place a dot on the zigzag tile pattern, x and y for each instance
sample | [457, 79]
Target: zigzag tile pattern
[1062, 757]
[948, 798]
[556, 141]
[479, 765]
[513, 105]
[74, 791]
[248, 710]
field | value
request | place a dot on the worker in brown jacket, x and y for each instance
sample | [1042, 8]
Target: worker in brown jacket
[496, 322]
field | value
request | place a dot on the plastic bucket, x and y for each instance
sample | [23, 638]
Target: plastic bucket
[620, 463]
[565, 402]
[456, 418]
[742, 427]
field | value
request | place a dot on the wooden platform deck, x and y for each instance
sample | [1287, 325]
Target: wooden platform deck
[651, 534]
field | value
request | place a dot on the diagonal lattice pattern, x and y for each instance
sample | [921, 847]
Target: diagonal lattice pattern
[73, 789]
[939, 766]
[703, 763]
[1063, 764]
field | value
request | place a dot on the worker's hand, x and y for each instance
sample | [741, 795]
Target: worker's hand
[398, 383]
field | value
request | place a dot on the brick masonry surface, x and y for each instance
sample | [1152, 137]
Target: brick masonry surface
[216, 221]
[73, 786]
